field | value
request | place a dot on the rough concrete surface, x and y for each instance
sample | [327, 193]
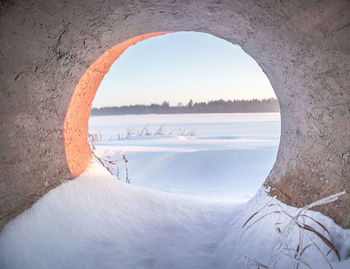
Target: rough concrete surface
[302, 46]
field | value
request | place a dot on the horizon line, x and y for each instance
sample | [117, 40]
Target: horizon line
[194, 102]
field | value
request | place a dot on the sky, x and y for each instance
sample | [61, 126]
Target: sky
[181, 66]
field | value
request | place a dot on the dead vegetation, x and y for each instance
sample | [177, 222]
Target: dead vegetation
[300, 223]
[111, 164]
[160, 131]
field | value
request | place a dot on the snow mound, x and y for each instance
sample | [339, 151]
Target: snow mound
[96, 221]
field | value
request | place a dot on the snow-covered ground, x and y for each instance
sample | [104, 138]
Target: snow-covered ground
[96, 221]
[227, 159]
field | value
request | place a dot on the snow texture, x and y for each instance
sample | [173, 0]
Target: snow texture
[97, 221]
[227, 159]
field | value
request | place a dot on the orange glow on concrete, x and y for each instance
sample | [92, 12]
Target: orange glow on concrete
[78, 151]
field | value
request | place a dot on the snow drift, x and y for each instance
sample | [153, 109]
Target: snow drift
[97, 221]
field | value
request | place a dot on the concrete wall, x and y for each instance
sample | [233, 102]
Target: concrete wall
[302, 46]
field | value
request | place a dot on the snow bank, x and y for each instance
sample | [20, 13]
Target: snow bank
[259, 240]
[96, 221]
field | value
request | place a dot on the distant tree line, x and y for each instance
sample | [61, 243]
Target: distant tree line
[218, 106]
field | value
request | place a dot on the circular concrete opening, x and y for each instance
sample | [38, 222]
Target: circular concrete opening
[46, 49]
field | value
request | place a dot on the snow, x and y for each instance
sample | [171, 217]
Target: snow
[97, 221]
[227, 160]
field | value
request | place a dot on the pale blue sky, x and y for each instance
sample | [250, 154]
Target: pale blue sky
[181, 66]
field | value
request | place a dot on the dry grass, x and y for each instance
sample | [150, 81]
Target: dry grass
[307, 235]
[111, 165]
[145, 131]
[184, 132]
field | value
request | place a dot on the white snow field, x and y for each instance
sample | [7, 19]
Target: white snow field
[227, 159]
[97, 221]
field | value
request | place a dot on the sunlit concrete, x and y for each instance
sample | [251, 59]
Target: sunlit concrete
[78, 152]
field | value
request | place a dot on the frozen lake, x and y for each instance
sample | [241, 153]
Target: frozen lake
[224, 157]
